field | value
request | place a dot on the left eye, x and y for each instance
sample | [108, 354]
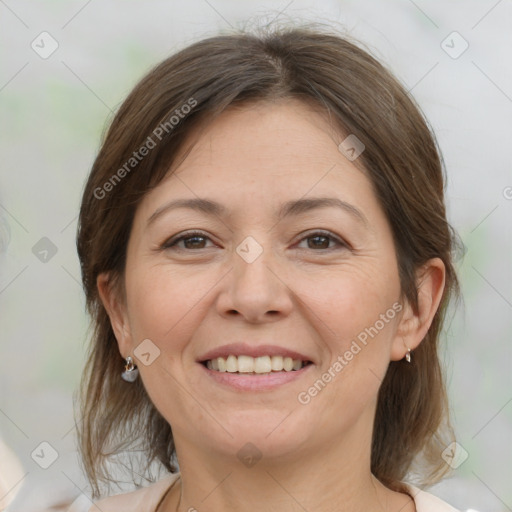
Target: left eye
[322, 239]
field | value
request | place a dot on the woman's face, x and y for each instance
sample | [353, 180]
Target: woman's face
[282, 252]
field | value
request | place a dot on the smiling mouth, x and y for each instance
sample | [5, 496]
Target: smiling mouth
[262, 365]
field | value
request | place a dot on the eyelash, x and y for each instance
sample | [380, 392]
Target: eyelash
[172, 242]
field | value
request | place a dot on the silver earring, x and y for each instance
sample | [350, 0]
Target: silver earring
[408, 353]
[130, 373]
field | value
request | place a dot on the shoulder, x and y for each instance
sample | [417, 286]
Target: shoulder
[141, 500]
[426, 502]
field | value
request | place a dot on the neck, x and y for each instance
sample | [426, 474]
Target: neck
[324, 478]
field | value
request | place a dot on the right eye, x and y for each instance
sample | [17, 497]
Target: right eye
[192, 240]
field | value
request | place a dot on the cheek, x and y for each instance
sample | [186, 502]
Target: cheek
[351, 299]
[164, 306]
[162, 303]
[355, 314]
[359, 310]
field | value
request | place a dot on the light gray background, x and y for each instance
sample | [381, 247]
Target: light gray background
[53, 111]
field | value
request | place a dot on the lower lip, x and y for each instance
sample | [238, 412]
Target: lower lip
[255, 382]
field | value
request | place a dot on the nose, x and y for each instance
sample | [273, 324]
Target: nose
[258, 291]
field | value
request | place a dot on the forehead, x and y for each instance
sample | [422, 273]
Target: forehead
[261, 151]
[285, 136]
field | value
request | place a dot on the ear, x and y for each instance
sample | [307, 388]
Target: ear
[115, 306]
[413, 326]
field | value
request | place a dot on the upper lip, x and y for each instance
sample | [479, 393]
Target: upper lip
[245, 349]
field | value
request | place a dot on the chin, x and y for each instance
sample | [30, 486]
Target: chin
[272, 433]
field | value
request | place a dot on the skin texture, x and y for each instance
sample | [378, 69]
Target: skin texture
[310, 295]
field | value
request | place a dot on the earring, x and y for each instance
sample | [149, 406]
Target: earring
[407, 356]
[130, 373]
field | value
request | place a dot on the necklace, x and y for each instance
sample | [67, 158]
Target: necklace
[167, 494]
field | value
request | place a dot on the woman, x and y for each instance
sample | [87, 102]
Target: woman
[267, 261]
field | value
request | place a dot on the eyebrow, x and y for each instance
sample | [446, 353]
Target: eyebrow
[290, 208]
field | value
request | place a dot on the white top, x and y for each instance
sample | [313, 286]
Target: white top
[148, 498]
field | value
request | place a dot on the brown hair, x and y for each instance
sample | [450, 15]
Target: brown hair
[401, 159]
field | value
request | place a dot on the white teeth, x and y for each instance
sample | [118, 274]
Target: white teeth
[222, 364]
[277, 363]
[262, 364]
[247, 364]
[232, 364]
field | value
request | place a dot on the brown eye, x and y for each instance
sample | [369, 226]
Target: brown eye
[191, 241]
[194, 242]
[321, 241]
